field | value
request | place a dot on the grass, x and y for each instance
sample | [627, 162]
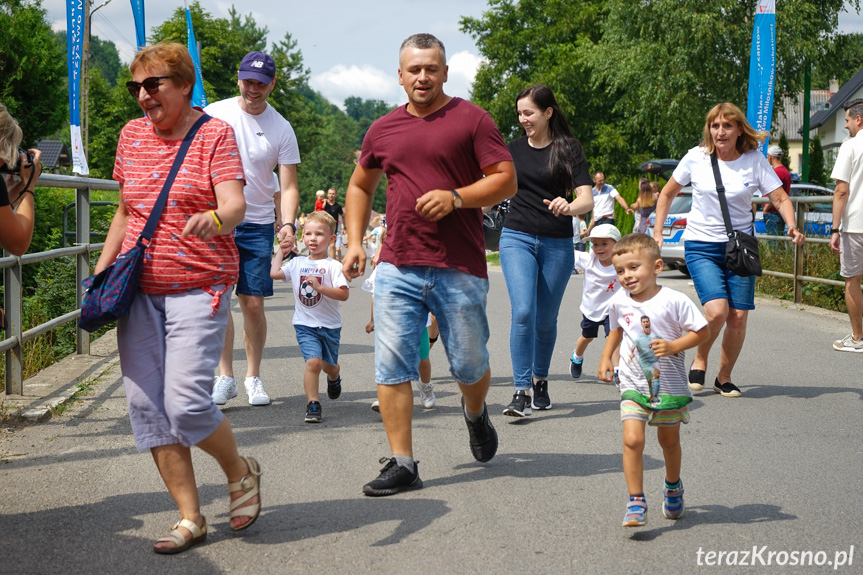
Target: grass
[493, 259]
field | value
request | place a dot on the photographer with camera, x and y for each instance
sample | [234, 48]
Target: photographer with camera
[19, 171]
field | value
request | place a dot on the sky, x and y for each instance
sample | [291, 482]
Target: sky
[350, 46]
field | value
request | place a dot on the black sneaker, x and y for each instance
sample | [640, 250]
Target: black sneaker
[575, 367]
[334, 388]
[520, 405]
[483, 437]
[726, 389]
[393, 478]
[313, 412]
[541, 400]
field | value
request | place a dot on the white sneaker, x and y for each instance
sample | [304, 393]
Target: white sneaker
[426, 394]
[376, 405]
[255, 390]
[224, 388]
[848, 343]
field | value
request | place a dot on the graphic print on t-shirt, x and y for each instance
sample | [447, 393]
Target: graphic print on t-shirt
[307, 295]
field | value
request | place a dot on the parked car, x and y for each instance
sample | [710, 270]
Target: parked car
[819, 217]
[672, 230]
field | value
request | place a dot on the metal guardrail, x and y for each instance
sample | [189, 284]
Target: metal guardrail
[13, 289]
[800, 217]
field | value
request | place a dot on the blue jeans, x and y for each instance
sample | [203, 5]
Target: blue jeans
[705, 262]
[404, 296]
[536, 270]
[255, 246]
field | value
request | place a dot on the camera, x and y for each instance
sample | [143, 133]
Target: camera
[26, 161]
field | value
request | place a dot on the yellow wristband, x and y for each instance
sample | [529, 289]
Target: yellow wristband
[216, 219]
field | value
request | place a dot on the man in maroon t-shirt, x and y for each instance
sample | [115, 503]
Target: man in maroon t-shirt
[772, 220]
[444, 159]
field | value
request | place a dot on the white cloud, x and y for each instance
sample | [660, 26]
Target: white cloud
[462, 70]
[364, 81]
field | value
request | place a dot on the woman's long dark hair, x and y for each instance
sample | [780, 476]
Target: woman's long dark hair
[561, 160]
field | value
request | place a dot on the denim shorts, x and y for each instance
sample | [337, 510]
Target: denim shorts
[590, 328]
[403, 298]
[706, 264]
[255, 244]
[319, 342]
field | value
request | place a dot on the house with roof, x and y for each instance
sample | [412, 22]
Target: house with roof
[790, 122]
[830, 123]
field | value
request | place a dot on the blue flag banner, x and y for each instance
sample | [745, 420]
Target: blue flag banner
[140, 29]
[199, 98]
[74, 49]
[762, 68]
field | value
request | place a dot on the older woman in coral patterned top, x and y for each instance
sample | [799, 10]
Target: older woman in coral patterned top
[171, 339]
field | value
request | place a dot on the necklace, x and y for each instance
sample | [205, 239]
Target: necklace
[182, 130]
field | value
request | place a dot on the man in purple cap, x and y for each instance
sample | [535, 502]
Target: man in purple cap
[266, 140]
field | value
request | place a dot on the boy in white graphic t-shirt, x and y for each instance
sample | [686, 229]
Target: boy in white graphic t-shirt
[600, 283]
[638, 314]
[319, 285]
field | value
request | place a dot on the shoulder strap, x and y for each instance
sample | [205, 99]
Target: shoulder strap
[720, 191]
[153, 220]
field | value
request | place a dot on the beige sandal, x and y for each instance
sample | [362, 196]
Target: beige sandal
[251, 484]
[199, 535]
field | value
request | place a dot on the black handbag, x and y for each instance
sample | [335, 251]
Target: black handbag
[492, 225]
[741, 252]
[110, 293]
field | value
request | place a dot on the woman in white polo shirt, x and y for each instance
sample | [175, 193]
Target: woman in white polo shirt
[745, 172]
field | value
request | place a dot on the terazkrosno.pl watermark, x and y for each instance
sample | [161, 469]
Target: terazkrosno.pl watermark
[762, 556]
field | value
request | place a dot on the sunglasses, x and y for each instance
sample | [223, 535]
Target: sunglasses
[150, 84]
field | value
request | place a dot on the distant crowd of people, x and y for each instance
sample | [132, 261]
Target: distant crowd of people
[445, 162]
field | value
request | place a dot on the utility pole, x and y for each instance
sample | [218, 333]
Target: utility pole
[807, 85]
[85, 74]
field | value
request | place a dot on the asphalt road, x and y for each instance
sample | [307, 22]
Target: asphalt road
[778, 469]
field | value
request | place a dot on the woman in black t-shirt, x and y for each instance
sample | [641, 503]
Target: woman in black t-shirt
[536, 243]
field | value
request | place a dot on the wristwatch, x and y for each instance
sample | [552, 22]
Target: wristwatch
[293, 227]
[834, 231]
[456, 200]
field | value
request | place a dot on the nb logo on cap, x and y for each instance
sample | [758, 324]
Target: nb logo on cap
[257, 64]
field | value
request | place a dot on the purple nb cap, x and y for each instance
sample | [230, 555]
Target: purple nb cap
[257, 66]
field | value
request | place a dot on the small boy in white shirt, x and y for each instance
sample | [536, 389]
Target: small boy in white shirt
[600, 284]
[319, 286]
[653, 381]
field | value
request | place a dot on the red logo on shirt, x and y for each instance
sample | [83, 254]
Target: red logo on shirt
[308, 296]
[611, 285]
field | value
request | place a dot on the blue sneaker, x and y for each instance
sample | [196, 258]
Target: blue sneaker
[636, 512]
[575, 366]
[673, 506]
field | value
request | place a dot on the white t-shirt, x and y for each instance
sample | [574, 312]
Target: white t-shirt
[265, 140]
[748, 176]
[849, 168]
[312, 309]
[600, 283]
[603, 201]
[670, 313]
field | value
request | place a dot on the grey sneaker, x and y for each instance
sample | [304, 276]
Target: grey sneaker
[224, 388]
[848, 343]
[426, 394]
[255, 390]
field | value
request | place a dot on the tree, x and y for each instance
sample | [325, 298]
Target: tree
[32, 75]
[636, 79]
[816, 162]
[103, 56]
[252, 36]
[783, 143]
[222, 46]
[841, 58]
[364, 112]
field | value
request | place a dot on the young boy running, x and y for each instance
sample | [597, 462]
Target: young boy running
[600, 284]
[644, 307]
[319, 286]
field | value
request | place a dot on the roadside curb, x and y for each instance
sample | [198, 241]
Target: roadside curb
[57, 384]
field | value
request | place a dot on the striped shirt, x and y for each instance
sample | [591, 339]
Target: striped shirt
[173, 264]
